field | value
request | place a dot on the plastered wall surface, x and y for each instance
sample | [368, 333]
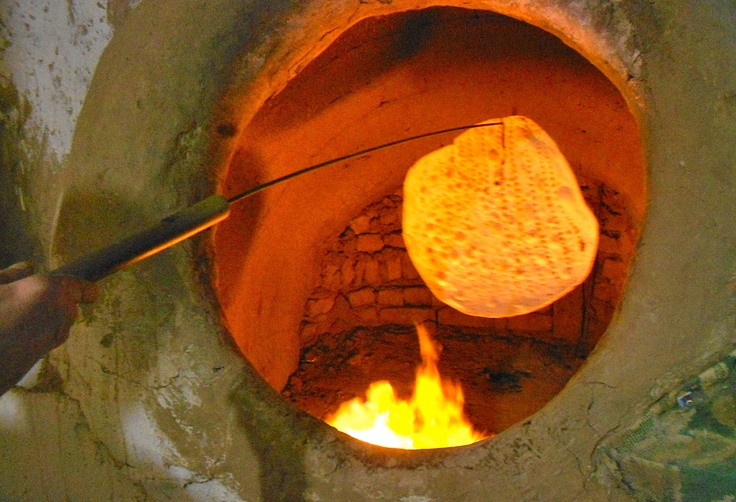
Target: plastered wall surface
[150, 401]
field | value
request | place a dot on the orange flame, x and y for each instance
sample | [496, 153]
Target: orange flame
[433, 418]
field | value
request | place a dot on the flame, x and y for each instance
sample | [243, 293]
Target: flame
[433, 418]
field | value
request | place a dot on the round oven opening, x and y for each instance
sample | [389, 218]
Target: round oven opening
[313, 276]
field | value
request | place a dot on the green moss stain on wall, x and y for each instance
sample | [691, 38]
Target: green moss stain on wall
[684, 448]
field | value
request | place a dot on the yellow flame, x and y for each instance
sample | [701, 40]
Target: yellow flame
[433, 418]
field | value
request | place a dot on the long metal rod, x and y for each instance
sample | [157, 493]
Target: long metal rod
[276, 181]
[193, 220]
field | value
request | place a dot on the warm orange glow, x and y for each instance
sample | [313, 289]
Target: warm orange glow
[496, 223]
[433, 418]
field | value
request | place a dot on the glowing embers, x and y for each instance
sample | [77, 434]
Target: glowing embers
[496, 224]
[433, 418]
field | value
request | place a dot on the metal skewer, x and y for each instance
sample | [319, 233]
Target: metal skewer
[195, 219]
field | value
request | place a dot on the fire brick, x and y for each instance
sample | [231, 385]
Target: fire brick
[370, 243]
[317, 306]
[568, 316]
[392, 297]
[530, 322]
[362, 297]
[395, 240]
[407, 268]
[448, 316]
[417, 296]
[361, 224]
[393, 268]
[395, 315]
[372, 272]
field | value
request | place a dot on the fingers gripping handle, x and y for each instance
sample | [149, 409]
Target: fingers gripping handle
[163, 235]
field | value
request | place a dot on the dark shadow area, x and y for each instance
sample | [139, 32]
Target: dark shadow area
[16, 244]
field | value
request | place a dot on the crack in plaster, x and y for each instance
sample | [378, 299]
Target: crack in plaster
[83, 423]
[307, 57]
[595, 456]
[111, 372]
[578, 461]
[588, 466]
[358, 8]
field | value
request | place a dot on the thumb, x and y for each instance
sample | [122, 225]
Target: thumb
[90, 291]
[80, 290]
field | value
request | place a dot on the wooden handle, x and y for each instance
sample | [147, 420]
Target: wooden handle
[166, 233]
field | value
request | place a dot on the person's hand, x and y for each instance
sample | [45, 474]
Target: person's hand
[36, 314]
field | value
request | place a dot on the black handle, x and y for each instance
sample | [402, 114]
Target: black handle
[166, 233]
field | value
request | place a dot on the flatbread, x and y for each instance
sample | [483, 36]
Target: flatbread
[496, 223]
